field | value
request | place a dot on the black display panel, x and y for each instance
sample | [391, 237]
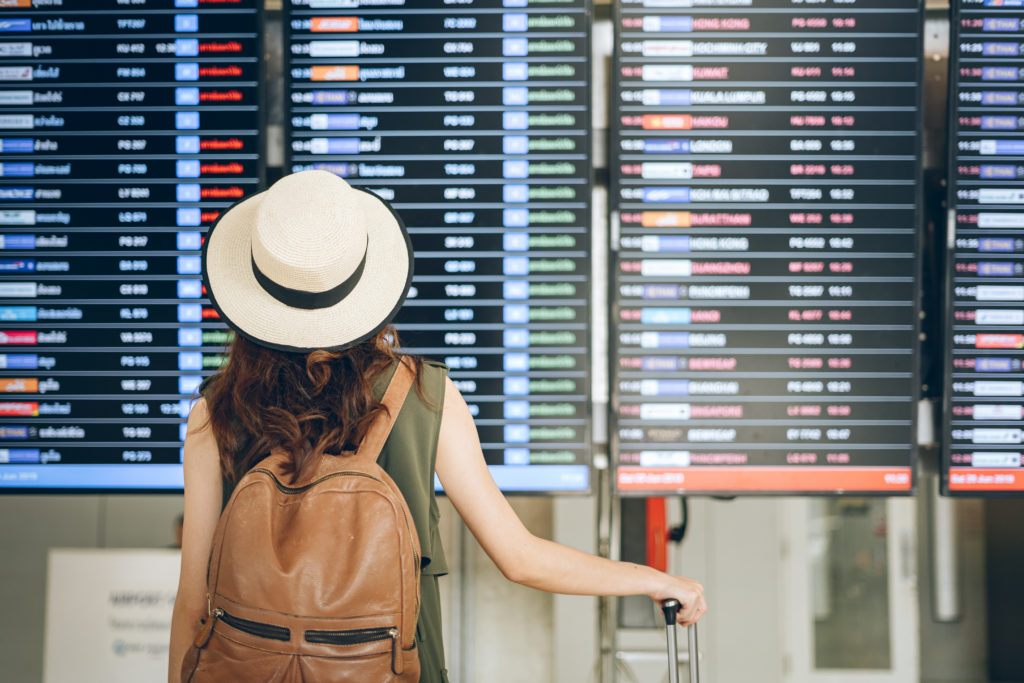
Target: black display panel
[984, 382]
[765, 181]
[472, 119]
[125, 129]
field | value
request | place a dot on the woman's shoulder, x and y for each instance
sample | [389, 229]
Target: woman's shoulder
[430, 381]
[432, 373]
[435, 366]
[426, 367]
[199, 414]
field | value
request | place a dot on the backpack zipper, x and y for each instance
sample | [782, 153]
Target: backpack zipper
[255, 628]
[362, 635]
[305, 487]
[352, 636]
[292, 490]
[343, 637]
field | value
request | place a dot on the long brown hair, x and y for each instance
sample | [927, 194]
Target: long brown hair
[308, 404]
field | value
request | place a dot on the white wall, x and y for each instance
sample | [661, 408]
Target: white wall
[30, 526]
[733, 548]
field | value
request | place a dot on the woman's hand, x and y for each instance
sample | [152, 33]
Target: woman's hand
[688, 592]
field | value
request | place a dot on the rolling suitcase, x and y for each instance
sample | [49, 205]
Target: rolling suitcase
[671, 608]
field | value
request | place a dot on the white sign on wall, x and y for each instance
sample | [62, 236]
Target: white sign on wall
[108, 614]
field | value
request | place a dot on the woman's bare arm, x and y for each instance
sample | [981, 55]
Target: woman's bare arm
[202, 510]
[523, 557]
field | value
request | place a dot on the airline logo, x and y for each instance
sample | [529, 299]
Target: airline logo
[667, 219]
[17, 265]
[19, 385]
[335, 24]
[989, 411]
[15, 49]
[18, 121]
[19, 455]
[15, 25]
[17, 314]
[335, 73]
[15, 97]
[18, 338]
[11, 169]
[334, 48]
[14, 432]
[15, 73]
[18, 290]
[19, 409]
[999, 341]
[333, 4]
[999, 293]
[668, 48]
[1000, 220]
[667, 122]
[17, 193]
[23, 217]
[19, 361]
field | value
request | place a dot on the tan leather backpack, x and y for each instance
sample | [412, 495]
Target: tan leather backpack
[317, 579]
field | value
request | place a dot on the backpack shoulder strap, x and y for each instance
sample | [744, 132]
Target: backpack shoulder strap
[393, 399]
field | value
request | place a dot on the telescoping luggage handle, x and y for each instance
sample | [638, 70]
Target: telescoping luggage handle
[670, 608]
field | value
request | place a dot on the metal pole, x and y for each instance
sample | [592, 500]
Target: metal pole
[694, 658]
[671, 609]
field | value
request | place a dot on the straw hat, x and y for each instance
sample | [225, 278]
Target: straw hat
[310, 263]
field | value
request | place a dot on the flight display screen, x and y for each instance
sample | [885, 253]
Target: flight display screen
[984, 393]
[124, 132]
[472, 119]
[765, 175]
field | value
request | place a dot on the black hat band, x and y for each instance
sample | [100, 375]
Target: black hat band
[297, 298]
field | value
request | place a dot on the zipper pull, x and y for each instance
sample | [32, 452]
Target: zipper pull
[397, 664]
[203, 637]
[209, 605]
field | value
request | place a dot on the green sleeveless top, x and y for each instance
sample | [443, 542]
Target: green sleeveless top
[408, 457]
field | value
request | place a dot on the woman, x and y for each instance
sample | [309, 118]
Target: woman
[309, 274]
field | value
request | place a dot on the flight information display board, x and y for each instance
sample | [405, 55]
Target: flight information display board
[765, 169]
[125, 129]
[472, 119]
[984, 393]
